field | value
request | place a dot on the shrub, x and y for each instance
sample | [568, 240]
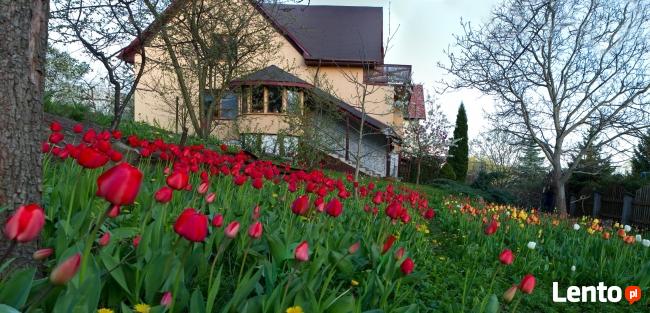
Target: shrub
[447, 172]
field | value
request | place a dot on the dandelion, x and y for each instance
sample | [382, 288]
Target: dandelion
[105, 310]
[531, 245]
[142, 308]
[354, 283]
[576, 227]
[295, 309]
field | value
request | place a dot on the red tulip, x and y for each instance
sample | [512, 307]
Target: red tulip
[25, 224]
[255, 231]
[192, 225]
[91, 158]
[506, 257]
[319, 203]
[377, 199]
[302, 252]
[232, 229]
[334, 207]
[117, 134]
[527, 284]
[56, 138]
[105, 239]
[300, 206]
[510, 294]
[136, 241]
[354, 248]
[178, 180]
[256, 212]
[491, 228]
[166, 299]
[66, 270]
[78, 128]
[42, 254]
[388, 244]
[429, 214]
[240, 179]
[120, 184]
[116, 156]
[45, 147]
[209, 198]
[394, 210]
[223, 147]
[217, 220]
[407, 266]
[164, 194]
[258, 183]
[89, 136]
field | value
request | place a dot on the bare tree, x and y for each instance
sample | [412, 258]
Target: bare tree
[103, 28]
[427, 138]
[23, 33]
[499, 148]
[559, 68]
[207, 44]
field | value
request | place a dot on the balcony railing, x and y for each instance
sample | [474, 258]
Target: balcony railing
[388, 74]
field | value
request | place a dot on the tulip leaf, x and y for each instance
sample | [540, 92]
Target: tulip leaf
[213, 290]
[7, 309]
[343, 304]
[112, 265]
[196, 302]
[16, 290]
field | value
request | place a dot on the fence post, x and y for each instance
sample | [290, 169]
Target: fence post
[572, 205]
[627, 209]
[596, 208]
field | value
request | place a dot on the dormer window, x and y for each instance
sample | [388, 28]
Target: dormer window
[271, 100]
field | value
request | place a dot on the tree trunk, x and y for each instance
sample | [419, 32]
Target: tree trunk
[417, 176]
[560, 195]
[23, 34]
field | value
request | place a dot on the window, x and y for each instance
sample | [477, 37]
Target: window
[208, 102]
[228, 109]
[245, 99]
[293, 101]
[257, 98]
[275, 99]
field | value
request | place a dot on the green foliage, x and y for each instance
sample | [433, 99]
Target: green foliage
[593, 170]
[641, 158]
[530, 176]
[459, 159]
[64, 77]
[447, 172]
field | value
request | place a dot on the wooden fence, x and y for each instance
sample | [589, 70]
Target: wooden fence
[614, 203]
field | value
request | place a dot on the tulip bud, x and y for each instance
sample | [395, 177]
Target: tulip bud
[510, 294]
[209, 198]
[192, 225]
[302, 252]
[300, 206]
[203, 188]
[399, 253]
[105, 239]
[255, 231]
[491, 228]
[334, 207]
[114, 211]
[120, 184]
[66, 270]
[166, 299]
[136, 241]
[354, 248]
[232, 229]
[217, 220]
[42, 254]
[388, 244]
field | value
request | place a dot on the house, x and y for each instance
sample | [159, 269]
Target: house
[326, 56]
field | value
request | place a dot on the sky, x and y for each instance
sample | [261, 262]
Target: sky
[426, 29]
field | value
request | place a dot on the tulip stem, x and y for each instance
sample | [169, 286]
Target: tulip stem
[41, 296]
[10, 249]
[514, 308]
[89, 242]
[214, 262]
[494, 276]
[177, 280]
[241, 268]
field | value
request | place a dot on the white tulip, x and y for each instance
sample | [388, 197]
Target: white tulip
[576, 227]
[573, 268]
[627, 228]
[646, 243]
[532, 245]
[639, 238]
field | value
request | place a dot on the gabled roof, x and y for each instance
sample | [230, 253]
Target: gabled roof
[332, 34]
[271, 75]
[416, 109]
[340, 35]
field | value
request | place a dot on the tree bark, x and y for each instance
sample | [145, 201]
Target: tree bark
[560, 194]
[23, 34]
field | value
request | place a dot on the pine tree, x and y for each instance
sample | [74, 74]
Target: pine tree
[458, 158]
[593, 170]
[531, 163]
[641, 158]
[530, 172]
